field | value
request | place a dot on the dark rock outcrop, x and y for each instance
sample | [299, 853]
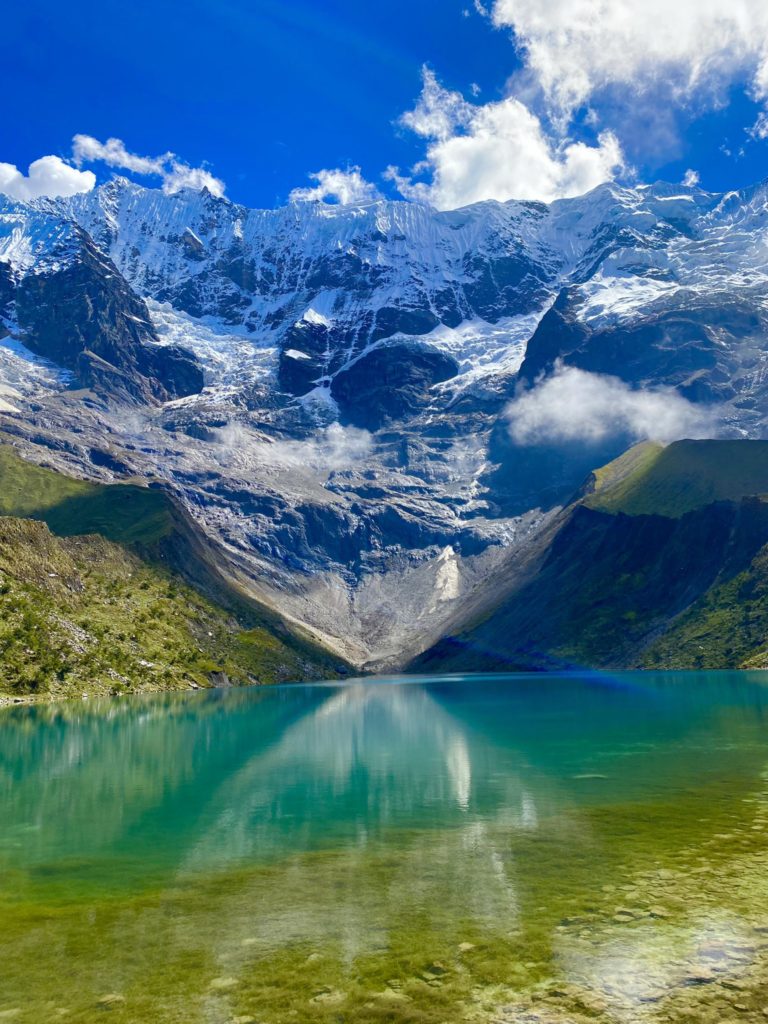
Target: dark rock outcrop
[389, 383]
[84, 317]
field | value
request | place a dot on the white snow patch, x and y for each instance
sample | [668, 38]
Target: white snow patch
[24, 375]
[232, 359]
[320, 401]
[447, 579]
[482, 349]
[294, 353]
[313, 317]
[611, 299]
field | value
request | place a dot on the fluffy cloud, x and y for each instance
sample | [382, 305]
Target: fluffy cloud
[174, 173]
[575, 48]
[48, 176]
[575, 406]
[643, 68]
[340, 187]
[86, 149]
[181, 175]
[497, 151]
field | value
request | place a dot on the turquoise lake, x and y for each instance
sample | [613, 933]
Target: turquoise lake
[511, 848]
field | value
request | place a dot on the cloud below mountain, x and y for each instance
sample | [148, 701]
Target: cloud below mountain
[575, 406]
[332, 448]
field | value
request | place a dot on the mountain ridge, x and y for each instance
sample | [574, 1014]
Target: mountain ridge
[339, 376]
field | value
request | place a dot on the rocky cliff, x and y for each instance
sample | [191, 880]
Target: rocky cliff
[324, 388]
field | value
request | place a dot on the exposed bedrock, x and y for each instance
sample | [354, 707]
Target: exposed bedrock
[389, 383]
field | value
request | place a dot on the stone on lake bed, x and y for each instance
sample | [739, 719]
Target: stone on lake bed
[624, 914]
[111, 999]
[222, 984]
[435, 970]
[389, 995]
[329, 997]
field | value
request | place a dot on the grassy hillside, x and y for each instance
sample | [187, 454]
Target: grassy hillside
[120, 512]
[727, 626]
[679, 579]
[652, 480]
[90, 601]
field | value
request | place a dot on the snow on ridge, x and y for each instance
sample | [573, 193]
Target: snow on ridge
[313, 317]
[25, 375]
[230, 360]
[279, 264]
[35, 241]
[482, 349]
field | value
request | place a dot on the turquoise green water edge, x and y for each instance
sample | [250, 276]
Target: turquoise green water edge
[511, 849]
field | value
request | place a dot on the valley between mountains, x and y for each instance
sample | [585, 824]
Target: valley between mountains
[329, 439]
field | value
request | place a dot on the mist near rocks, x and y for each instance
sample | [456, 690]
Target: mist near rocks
[576, 406]
[331, 448]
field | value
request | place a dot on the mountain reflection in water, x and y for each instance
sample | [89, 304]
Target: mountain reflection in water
[303, 852]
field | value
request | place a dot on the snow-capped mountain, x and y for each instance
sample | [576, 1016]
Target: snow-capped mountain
[325, 386]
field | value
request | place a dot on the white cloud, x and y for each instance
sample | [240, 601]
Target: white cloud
[575, 406]
[332, 448]
[691, 178]
[181, 175]
[86, 149]
[174, 173]
[498, 151]
[337, 186]
[48, 176]
[575, 48]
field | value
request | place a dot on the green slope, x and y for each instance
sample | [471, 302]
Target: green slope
[92, 599]
[726, 627]
[653, 480]
[121, 512]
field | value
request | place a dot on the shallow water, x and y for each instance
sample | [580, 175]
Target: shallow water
[520, 848]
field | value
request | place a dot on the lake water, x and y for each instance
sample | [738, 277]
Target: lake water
[518, 848]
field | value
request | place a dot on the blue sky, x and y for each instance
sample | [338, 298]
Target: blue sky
[263, 93]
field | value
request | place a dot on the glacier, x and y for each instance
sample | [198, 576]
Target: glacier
[324, 387]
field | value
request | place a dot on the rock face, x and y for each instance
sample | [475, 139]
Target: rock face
[390, 384]
[325, 387]
[73, 307]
